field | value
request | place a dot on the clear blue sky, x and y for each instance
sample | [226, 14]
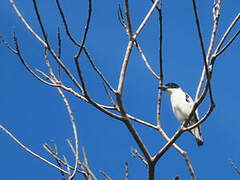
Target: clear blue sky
[35, 113]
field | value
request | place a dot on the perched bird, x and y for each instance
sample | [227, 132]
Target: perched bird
[182, 105]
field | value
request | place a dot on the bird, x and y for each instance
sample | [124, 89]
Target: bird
[182, 105]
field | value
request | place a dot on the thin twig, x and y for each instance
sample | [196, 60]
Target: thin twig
[53, 79]
[190, 168]
[121, 19]
[159, 100]
[202, 47]
[68, 167]
[29, 151]
[24, 62]
[216, 14]
[55, 155]
[202, 120]
[65, 24]
[7, 44]
[86, 164]
[59, 54]
[146, 61]
[45, 45]
[226, 34]
[158, 7]
[145, 19]
[26, 24]
[176, 178]
[136, 153]
[76, 57]
[142, 122]
[230, 42]
[127, 13]
[129, 49]
[105, 175]
[110, 97]
[74, 131]
[52, 51]
[234, 167]
[126, 167]
[86, 29]
[98, 71]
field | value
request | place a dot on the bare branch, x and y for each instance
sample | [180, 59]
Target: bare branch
[145, 19]
[176, 178]
[68, 167]
[126, 165]
[45, 44]
[127, 12]
[129, 49]
[29, 151]
[86, 29]
[76, 57]
[121, 19]
[55, 155]
[25, 64]
[228, 44]
[105, 175]
[202, 47]
[202, 120]
[141, 122]
[177, 135]
[190, 168]
[110, 98]
[51, 50]
[86, 164]
[7, 44]
[74, 131]
[199, 29]
[234, 167]
[146, 61]
[53, 78]
[66, 25]
[182, 152]
[132, 129]
[26, 24]
[124, 67]
[226, 34]
[216, 15]
[136, 153]
[159, 100]
[98, 71]
[59, 54]
[158, 7]
[167, 146]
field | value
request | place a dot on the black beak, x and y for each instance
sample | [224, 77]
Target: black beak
[162, 88]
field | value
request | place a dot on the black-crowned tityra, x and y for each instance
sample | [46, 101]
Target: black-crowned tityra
[182, 105]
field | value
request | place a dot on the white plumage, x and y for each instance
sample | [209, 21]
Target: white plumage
[182, 105]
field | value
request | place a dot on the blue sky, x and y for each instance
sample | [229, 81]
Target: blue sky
[35, 113]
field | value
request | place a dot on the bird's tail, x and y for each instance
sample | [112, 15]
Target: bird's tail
[196, 132]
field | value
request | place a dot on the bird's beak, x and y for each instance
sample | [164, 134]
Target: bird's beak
[164, 88]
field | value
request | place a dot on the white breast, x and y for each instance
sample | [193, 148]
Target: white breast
[181, 104]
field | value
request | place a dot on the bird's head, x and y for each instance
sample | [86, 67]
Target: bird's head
[169, 88]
